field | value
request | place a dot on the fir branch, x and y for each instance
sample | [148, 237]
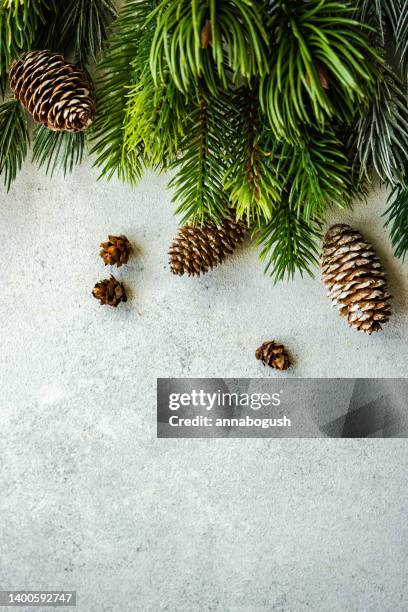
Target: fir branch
[198, 40]
[401, 32]
[321, 66]
[315, 173]
[90, 21]
[116, 75]
[397, 214]
[14, 140]
[58, 150]
[202, 164]
[289, 243]
[251, 179]
[382, 15]
[155, 116]
[380, 136]
[80, 27]
[19, 20]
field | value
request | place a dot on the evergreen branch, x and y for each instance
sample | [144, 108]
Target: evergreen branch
[382, 15]
[155, 116]
[288, 243]
[79, 26]
[14, 140]
[116, 75]
[58, 150]
[202, 163]
[251, 179]
[90, 20]
[321, 66]
[380, 136]
[397, 214]
[315, 173]
[197, 40]
[401, 32]
[19, 20]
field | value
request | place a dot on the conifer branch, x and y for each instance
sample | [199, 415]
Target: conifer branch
[58, 150]
[288, 243]
[321, 66]
[382, 15]
[397, 221]
[155, 116]
[380, 136]
[116, 75]
[80, 27]
[19, 20]
[251, 179]
[200, 39]
[202, 164]
[315, 173]
[14, 140]
[401, 32]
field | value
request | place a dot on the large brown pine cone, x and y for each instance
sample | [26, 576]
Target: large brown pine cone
[273, 355]
[110, 291]
[355, 279]
[115, 251]
[197, 249]
[55, 93]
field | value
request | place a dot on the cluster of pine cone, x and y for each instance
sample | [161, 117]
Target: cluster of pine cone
[115, 251]
[60, 96]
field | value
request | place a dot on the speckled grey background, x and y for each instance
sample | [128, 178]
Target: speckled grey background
[91, 501]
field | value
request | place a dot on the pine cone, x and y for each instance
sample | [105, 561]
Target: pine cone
[355, 279]
[110, 291]
[197, 249]
[55, 93]
[116, 250]
[273, 355]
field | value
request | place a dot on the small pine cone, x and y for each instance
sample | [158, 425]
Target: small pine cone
[57, 94]
[355, 279]
[197, 249]
[110, 291]
[273, 355]
[116, 250]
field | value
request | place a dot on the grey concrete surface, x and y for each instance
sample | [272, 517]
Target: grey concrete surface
[91, 501]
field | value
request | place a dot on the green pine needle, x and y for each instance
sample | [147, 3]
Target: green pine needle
[397, 214]
[19, 20]
[401, 32]
[380, 136]
[316, 173]
[58, 150]
[14, 140]
[321, 66]
[206, 40]
[202, 164]
[79, 27]
[382, 15]
[251, 179]
[155, 116]
[289, 244]
[116, 75]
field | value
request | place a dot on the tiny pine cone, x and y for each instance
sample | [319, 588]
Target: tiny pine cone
[273, 355]
[116, 250]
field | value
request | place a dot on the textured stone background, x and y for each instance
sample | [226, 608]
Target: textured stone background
[90, 500]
